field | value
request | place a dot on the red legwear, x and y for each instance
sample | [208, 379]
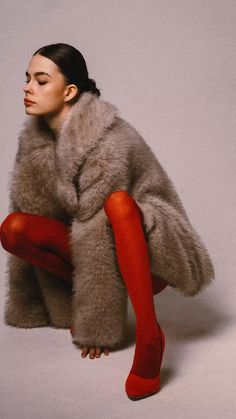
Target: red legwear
[133, 260]
[39, 240]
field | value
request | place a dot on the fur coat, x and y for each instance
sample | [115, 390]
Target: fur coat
[69, 179]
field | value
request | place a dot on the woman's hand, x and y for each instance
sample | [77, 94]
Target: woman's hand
[93, 352]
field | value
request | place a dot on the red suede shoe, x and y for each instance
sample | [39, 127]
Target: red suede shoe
[139, 387]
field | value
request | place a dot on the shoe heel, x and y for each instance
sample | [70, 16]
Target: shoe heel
[139, 387]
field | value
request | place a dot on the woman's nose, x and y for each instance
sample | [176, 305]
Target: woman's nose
[27, 87]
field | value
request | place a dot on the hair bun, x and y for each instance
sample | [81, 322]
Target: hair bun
[91, 87]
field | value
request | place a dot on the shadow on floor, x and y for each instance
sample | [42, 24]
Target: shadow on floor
[183, 318]
[189, 318]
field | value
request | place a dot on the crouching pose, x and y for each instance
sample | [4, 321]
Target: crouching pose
[94, 218]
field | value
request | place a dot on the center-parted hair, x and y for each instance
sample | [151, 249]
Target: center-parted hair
[71, 64]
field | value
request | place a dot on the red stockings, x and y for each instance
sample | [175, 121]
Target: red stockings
[43, 242]
[39, 240]
[133, 260]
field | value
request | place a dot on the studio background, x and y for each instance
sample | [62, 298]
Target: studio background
[169, 67]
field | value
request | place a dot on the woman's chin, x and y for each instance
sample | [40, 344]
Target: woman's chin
[30, 111]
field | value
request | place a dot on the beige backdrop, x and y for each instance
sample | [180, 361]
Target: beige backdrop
[169, 66]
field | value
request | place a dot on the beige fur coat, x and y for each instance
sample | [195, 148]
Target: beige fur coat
[69, 179]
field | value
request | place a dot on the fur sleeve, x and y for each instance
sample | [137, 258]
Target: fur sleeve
[100, 297]
[177, 252]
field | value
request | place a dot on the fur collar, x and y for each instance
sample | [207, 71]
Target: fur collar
[81, 132]
[84, 127]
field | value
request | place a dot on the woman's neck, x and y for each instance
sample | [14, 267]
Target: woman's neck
[55, 122]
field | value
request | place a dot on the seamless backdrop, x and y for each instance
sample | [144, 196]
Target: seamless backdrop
[169, 66]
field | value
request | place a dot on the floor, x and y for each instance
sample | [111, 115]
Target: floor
[43, 375]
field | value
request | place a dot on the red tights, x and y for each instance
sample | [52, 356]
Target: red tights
[39, 240]
[133, 260]
[43, 242]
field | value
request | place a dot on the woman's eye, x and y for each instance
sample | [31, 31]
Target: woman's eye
[39, 82]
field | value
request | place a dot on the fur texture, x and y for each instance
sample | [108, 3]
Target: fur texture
[69, 179]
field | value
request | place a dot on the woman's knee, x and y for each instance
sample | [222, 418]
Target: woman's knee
[121, 204]
[12, 229]
[117, 198]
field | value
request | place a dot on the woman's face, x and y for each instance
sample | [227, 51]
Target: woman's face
[46, 89]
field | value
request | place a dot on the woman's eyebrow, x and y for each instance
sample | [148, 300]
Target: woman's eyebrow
[38, 73]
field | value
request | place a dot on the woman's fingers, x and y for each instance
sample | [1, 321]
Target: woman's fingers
[85, 351]
[106, 351]
[93, 352]
[98, 352]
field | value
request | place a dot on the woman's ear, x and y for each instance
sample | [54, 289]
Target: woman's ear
[71, 92]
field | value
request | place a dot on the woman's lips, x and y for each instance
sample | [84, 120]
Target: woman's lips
[28, 102]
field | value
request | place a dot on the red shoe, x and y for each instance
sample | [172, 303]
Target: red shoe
[138, 387]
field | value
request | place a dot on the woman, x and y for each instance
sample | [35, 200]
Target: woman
[91, 206]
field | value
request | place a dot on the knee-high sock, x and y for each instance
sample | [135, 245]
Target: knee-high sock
[41, 241]
[134, 265]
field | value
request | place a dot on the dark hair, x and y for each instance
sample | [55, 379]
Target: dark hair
[71, 64]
